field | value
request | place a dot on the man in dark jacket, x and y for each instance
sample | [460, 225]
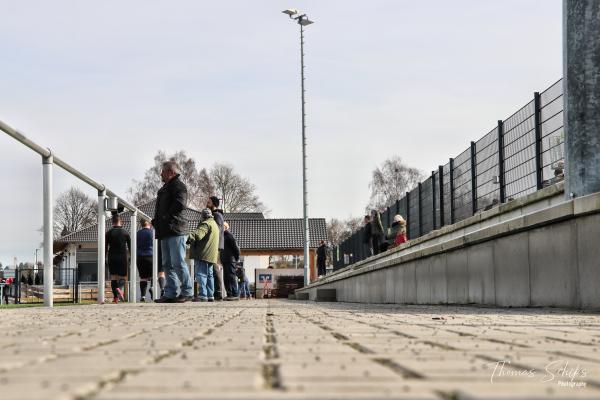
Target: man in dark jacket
[321, 258]
[213, 205]
[230, 255]
[171, 229]
[367, 238]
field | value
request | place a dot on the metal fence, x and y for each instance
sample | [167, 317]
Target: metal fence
[521, 154]
[28, 286]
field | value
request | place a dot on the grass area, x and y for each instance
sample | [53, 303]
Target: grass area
[29, 305]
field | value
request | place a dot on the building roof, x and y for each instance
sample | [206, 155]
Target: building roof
[252, 230]
[149, 207]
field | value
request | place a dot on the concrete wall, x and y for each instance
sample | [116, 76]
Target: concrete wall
[549, 257]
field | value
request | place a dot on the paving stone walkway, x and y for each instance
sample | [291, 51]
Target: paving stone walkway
[276, 349]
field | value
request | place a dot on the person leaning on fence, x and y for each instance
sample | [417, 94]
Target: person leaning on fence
[171, 227]
[396, 234]
[118, 250]
[376, 231]
[144, 256]
[204, 249]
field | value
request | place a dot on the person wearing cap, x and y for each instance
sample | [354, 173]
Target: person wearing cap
[171, 228]
[213, 205]
[204, 249]
[396, 234]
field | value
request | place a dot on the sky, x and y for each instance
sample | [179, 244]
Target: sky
[107, 84]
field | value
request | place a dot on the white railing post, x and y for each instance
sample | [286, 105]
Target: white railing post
[155, 289]
[101, 246]
[48, 231]
[133, 262]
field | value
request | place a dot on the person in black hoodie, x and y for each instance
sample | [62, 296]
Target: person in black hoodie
[171, 229]
[219, 284]
[229, 258]
[118, 252]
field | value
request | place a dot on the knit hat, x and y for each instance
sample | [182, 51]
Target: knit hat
[206, 214]
[215, 200]
[398, 218]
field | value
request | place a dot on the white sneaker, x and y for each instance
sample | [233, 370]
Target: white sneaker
[143, 299]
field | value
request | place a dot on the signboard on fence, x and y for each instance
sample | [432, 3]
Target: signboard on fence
[265, 278]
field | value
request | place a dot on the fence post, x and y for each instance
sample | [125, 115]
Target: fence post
[18, 283]
[501, 179]
[408, 232]
[538, 140]
[48, 228]
[474, 177]
[133, 262]
[155, 261]
[433, 198]
[419, 208]
[451, 177]
[441, 179]
[101, 245]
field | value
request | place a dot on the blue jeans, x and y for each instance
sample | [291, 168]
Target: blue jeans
[244, 289]
[175, 267]
[204, 277]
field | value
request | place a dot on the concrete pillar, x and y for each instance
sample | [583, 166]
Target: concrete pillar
[581, 64]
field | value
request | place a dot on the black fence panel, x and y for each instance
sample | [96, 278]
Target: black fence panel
[437, 222]
[413, 214]
[552, 134]
[524, 153]
[519, 152]
[462, 186]
[488, 171]
[426, 210]
[401, 207]
[447, 196]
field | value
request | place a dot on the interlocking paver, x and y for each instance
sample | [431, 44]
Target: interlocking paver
[297, 350]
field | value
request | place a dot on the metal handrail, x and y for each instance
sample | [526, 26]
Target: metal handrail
[44, 152]
[48, 160]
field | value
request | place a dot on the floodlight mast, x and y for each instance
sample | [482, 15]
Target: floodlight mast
[303, 21]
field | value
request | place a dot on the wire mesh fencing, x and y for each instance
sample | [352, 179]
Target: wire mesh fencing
[520, 155]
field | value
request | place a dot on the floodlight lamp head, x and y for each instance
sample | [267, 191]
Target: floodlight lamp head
[305, 21]
[290, 11]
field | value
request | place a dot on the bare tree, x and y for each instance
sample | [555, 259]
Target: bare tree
[340, 230]
[198, 182]
[236, 192]
[73, 211]
[391, 181]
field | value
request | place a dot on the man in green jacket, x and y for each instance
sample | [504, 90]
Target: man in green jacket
[204, 248]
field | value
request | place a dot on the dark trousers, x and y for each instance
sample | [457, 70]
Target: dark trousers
[231, 281]
[376, 240]
[322, 270]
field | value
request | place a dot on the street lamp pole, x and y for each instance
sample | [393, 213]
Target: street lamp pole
[303, 21]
